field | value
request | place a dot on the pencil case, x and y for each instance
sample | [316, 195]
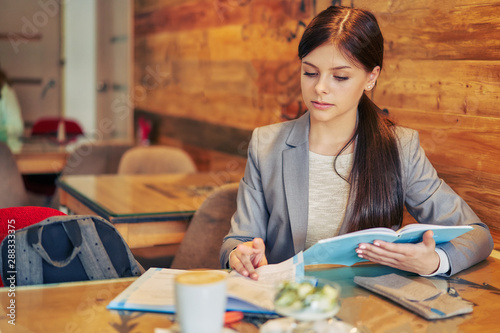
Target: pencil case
[427, 301]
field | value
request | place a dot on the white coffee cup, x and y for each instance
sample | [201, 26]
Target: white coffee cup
[201, 301]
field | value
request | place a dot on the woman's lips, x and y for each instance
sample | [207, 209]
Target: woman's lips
[321, 106]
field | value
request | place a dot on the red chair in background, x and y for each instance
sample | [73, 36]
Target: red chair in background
[50, 126]
[15, 218]
[55, 129]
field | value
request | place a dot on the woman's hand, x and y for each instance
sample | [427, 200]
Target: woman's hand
[420, 258]
[248, 256]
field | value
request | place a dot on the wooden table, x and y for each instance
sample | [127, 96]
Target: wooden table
[81, 307]
[39, 156]
[370, 312]
[147, 210]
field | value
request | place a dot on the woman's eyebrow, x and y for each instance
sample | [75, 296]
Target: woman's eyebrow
[333, 68]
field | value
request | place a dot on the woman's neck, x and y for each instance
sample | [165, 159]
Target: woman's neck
[328, 139]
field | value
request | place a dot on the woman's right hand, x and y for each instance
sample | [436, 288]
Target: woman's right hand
[248, 256]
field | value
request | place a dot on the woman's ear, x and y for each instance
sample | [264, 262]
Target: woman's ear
[375, 73]
[372, 78]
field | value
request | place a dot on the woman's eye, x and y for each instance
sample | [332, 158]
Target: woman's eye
[310, 74]
[341, 78]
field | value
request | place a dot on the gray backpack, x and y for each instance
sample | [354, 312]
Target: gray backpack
[66, 248]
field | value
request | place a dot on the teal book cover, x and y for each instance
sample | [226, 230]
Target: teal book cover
[341, 250]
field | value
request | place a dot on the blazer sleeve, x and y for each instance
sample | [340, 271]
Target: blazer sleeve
[251, 216]
[430, 200]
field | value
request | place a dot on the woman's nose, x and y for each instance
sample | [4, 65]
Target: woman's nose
[321, 87]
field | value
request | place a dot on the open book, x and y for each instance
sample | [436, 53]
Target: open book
[154, 290]
[341, 250]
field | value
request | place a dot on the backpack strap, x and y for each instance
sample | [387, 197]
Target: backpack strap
[101, 256]
[135, 266]
[93, 255]
[30, 253]
[72, 229]
[28, 262]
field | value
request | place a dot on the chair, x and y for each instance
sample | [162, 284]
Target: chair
[49, 127]
[15, 218]
[23, 217]
[203, 239]
[155, 160]
[12, 190]
[44, 184]
[96, 158]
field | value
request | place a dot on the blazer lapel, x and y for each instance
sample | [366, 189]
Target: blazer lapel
[296, 180]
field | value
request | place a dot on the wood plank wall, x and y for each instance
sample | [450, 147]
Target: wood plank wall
[209, 71]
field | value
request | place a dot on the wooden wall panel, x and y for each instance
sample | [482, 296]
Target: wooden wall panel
[225, 63]
[231, 65]
[462, 141]
[435, 30]
[463, 87]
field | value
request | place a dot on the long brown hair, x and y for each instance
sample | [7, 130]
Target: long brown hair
[376, 187]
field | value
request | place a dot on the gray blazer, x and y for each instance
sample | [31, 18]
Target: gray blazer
[273, 197]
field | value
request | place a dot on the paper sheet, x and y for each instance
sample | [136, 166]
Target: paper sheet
[154, 290]
[159, 289]
[262, 292]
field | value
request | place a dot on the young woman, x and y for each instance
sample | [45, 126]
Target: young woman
[343, 166]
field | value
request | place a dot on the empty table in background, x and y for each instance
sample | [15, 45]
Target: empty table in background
[148, 210]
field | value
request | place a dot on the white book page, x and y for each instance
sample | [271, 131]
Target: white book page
[262, 291]
[378, 230]
[422, 226]
[158, 289]
[418, 226]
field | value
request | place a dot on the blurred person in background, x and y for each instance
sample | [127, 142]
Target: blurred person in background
[11, 122]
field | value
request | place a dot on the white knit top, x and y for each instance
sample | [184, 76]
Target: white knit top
[328, 195]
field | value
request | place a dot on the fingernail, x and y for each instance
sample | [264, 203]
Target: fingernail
[376, 244]
[362, 247]
[359, 255]
[245, 273]
[359, 251]
[254, 276]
